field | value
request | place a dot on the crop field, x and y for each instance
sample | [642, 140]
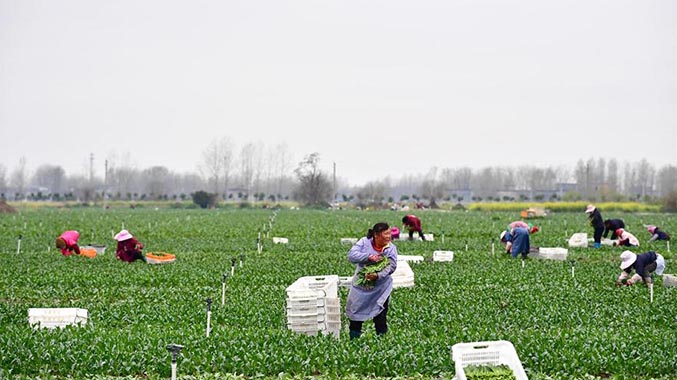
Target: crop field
[562, 326]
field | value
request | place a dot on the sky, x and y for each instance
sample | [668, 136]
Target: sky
[381, 88]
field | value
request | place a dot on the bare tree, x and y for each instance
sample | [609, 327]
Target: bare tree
[156, 181]
[212, 165]
[666, 180]
[20, 178]
[3, 182]
[226, 148]
[50, 176]
[612, 176]
[373, 193]
[282, 162]
[247, 168]
[314, 189]
[431, 188]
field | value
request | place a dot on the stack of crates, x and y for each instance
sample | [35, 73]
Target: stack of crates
[313, 305]
[403, 277]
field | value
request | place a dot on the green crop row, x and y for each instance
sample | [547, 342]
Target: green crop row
[563, 327]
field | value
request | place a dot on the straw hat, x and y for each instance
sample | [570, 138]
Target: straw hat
[589, 209]
[628, 258]
[123, 235]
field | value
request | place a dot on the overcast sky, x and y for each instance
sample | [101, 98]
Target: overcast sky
[381, 88]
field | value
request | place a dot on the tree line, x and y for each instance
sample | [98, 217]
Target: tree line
[255, 172]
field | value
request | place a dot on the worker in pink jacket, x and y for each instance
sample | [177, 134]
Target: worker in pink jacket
[68, 243]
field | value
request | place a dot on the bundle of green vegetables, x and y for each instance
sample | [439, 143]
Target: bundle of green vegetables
[488, 372]
[371, 268]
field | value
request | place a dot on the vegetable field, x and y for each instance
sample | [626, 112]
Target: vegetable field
[562, 326]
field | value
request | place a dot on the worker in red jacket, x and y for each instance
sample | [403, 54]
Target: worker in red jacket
[129, 249]
[413, 224]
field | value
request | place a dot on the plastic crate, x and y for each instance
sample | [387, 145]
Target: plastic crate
[301, 319]
[320, 286]
[306, 310]
[411, 259]
[579, 239]
[57, 317]
[486, 353]
[349, 240]
[670, 280]
[306, 328]
[442, 256]
[555, 253]
[280, 240]
[345, 282]
[403, 277]
[304, 303]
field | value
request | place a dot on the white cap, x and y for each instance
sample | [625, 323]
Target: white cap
[123, 235]
[628, 258]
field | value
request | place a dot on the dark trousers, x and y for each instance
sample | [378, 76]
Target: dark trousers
[598, 234]
[420, 233]
[380, 322]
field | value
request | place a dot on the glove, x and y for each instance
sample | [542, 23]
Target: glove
[375, 258]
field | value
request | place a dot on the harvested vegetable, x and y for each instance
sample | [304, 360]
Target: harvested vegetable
[486, 372]
[371, 268]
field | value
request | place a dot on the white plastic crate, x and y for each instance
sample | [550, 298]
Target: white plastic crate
[411, 259]
[579, 239]
[280, 240]
[306, 328]
[403, 277]
[321, 286]
[305, 310]
[486, 353]
[57, 317]
[345, 282]
[441, 256]
[670, 280]
[555, 253]
[304, 303]
[301, 319]
[349, 240]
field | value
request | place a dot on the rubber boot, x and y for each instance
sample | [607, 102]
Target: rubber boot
[355, 334]
[597, 245]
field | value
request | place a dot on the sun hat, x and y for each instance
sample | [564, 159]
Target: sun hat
[651, 228]
[628, 258]
[503, 235]
[589, 209]
[123, 235]
[619, 232]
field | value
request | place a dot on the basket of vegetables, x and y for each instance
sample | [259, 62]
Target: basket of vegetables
[495, 360]
[160, 258]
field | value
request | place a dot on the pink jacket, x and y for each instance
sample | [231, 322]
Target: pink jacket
[71, 239]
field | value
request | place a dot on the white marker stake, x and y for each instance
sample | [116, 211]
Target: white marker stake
[651, 292]
[466, 246]
[668, 245]
[209, 315]
[232, 267]
[18, 245]
[572, 271]
[522, 263]
[493, 253]
[174, 369]
[223, 289]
